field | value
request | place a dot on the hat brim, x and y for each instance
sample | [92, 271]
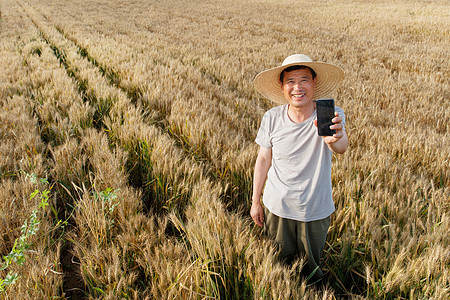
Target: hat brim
[328, 79]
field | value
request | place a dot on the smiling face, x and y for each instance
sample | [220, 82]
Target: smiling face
[298, 88]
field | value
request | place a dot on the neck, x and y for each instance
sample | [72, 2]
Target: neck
[300, 114]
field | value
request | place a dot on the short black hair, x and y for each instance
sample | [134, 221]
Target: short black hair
[296, 67]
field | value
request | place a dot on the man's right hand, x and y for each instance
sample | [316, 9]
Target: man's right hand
[257, 213]
[262, 166]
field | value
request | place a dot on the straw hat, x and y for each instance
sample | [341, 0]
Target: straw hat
[328, 78]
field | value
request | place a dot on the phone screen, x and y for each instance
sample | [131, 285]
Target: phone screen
[325, 113]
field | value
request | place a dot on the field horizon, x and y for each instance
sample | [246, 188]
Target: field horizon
[127, 148]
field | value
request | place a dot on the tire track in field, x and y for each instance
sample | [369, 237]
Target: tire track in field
[236, 179]
[234, 183]
[72, 282]
[24, 169]
[72, 285]
[86, 92]
[234, 101]
[136, 92]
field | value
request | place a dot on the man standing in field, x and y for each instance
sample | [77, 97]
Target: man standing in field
[294, 163]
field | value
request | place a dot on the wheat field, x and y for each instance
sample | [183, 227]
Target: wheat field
[127, 148]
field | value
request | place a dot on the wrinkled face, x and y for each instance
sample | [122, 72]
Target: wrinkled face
[298, 87]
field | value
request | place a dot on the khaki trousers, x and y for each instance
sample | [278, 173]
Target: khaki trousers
[296, 238]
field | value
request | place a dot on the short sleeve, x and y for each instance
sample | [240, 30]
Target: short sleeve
[263, 136]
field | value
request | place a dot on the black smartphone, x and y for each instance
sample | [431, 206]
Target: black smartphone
[325, 113]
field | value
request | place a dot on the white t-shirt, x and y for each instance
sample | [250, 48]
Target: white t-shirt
[298, 183]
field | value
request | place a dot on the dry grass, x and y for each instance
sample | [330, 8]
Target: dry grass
[142, 116]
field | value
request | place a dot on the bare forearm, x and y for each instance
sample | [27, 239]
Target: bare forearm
[259, 179]
[262, 165]
[339, 146]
